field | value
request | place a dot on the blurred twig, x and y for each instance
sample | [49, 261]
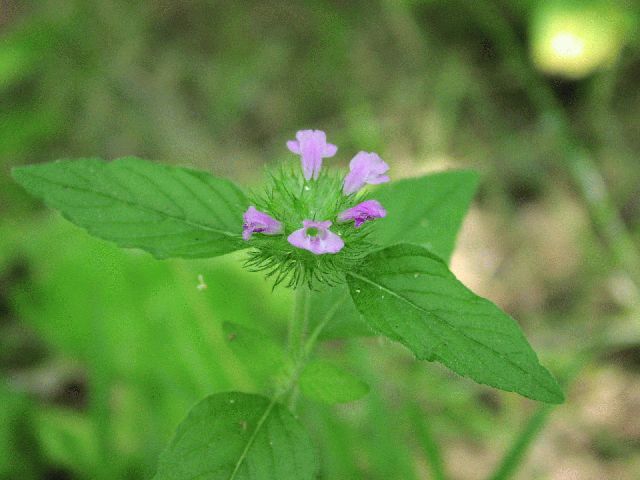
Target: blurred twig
[523, 441]
[519, 447]
[429, 445]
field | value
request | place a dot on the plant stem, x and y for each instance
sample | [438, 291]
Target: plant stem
[299, 321]
[298, 325]
[300, 350]
[315, 334]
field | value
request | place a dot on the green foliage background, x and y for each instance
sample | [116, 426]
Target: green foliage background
[103, 351]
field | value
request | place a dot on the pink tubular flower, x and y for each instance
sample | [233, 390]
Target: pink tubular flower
[312, 147]
[365, 168]
[364, 211]
[316, 237]
[256, 221]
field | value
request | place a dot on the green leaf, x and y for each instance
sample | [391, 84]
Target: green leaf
[408, 294]
[167, 211]
[427, 210]
[264, 357]
[237, 436]
[327, 383]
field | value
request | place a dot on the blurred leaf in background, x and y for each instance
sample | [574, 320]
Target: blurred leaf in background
[19, 450]
[148, 341]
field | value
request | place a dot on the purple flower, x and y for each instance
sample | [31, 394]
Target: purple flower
[312, 147]
[365, 168]
[256, 221]
[316, 237]
[367, 210]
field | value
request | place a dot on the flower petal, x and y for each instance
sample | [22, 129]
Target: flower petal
[329, 150]
[325, 241]
[255, 221]
[315, 224]
[293, 146]
[379, 179]
[363, 212]
[331, 243]
[300, 239]
[312, 147]
[365, 168]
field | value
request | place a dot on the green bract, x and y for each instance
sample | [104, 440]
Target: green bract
[291, 199]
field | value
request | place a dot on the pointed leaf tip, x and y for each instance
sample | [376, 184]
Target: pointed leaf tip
[408, 294]
[165, 210]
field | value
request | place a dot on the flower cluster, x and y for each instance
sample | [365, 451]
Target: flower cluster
[313, 225]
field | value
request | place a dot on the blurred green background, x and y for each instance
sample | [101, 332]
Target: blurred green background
[103, 351]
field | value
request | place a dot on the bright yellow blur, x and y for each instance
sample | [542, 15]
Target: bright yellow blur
[576, 41]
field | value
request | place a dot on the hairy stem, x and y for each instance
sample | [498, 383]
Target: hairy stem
[315, 334]
[298, 325]
[299, 321]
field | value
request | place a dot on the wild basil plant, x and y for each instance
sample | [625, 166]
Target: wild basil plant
[362, 260]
